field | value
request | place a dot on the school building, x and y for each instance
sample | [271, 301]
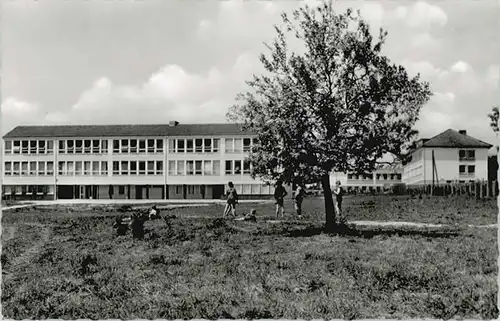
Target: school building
[171, 161]
[191, 161]
[375, 181]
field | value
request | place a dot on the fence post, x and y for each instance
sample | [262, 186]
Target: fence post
[481, 189]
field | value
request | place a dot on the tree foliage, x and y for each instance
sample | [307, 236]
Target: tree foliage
[493, 116]
[494, 119]
[339, 104]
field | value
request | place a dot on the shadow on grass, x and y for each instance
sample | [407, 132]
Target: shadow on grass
[367, 232]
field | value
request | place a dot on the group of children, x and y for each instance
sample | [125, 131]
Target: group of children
[136, 222]
[279, 195]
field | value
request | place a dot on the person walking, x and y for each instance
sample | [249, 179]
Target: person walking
[232, 200]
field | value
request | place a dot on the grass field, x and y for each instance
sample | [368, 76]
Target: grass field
[66, 263]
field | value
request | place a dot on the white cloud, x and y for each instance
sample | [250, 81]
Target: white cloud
[437, 115]
[443, 98]
[170, 93]
[461, 67]
[493, 76]
[424, 40]
[13, 107]
[421, 14]
[373, 12]
[16, 111]
[425, 68]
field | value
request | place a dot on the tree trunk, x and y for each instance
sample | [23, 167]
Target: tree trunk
[329, 209]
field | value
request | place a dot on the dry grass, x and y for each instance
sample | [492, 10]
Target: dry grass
[205, 267]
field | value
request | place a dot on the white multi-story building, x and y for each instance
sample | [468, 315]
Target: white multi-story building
[190, 161]
[375, 181]
[457, 157]
[128, 161]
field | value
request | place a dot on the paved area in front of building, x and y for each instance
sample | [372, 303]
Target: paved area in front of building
[23, 204]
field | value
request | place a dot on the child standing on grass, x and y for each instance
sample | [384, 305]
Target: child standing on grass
[339, 193]
[279, 195]
[232, 200]
[298, 198]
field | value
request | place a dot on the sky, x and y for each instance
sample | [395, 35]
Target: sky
[147, 61]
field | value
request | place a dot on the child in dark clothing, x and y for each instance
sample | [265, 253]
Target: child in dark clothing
[279, 195]
[121, 225]
[298, 198]
[339, 193]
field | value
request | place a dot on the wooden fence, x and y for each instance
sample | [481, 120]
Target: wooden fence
[479, 189]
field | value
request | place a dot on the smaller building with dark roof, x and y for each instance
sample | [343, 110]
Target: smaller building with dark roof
[451, 156]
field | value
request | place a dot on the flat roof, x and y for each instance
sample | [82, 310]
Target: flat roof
[155, 130]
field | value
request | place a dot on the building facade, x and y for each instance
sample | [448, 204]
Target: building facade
[128, 162]
[369, 182]
[191, 161]
[451, 156]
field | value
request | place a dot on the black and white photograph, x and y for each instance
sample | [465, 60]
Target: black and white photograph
[249, 159]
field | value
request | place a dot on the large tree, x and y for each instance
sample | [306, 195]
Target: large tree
[336, 104]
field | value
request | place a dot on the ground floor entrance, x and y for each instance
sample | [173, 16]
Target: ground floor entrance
[139, 192]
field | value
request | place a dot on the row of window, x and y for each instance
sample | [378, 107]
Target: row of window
[68, 146]
[46, 168]
[254, 189]
[128, 146]
[210, 145]
[246, 189]
[467, 170]
[97, 168]
[190, 167]
[136, 146]
[467, 154]
[377, 176]
[29, 147]
[83, 146]
[85, 168]
[238, 145]
[234, 167]
[28, 190]
[208, 167]
[137, 167]
[196, 145]
[175, 168]
[40, 168]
